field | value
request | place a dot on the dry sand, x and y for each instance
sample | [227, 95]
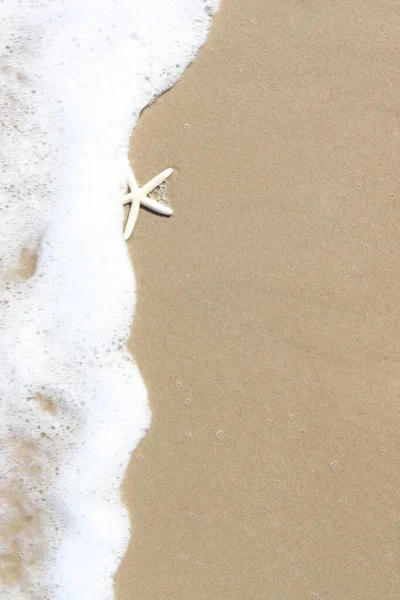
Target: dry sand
[268, 327]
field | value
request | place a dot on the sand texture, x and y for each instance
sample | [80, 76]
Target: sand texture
[268, 327]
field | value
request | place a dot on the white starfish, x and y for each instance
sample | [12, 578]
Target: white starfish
[138, 196]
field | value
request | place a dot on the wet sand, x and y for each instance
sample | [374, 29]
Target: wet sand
[267, 327]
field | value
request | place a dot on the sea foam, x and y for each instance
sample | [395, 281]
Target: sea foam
[74, 77]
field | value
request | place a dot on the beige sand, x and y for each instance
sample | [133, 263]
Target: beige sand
[268, 325]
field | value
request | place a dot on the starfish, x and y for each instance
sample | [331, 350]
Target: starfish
[138, 196]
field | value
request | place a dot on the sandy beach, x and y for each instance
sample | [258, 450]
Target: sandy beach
[267, 327]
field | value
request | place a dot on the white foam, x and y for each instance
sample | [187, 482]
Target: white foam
[74, 77]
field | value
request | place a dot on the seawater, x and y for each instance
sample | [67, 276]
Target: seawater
[74, 77]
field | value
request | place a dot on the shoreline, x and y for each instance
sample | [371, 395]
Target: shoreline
[73, 407]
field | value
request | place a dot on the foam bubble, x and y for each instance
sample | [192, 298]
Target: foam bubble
[75, 76]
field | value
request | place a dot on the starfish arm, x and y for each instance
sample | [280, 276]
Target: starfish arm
[157, 207]
[153, 205]
[132, 217]
[132, 183]
[156, 181]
